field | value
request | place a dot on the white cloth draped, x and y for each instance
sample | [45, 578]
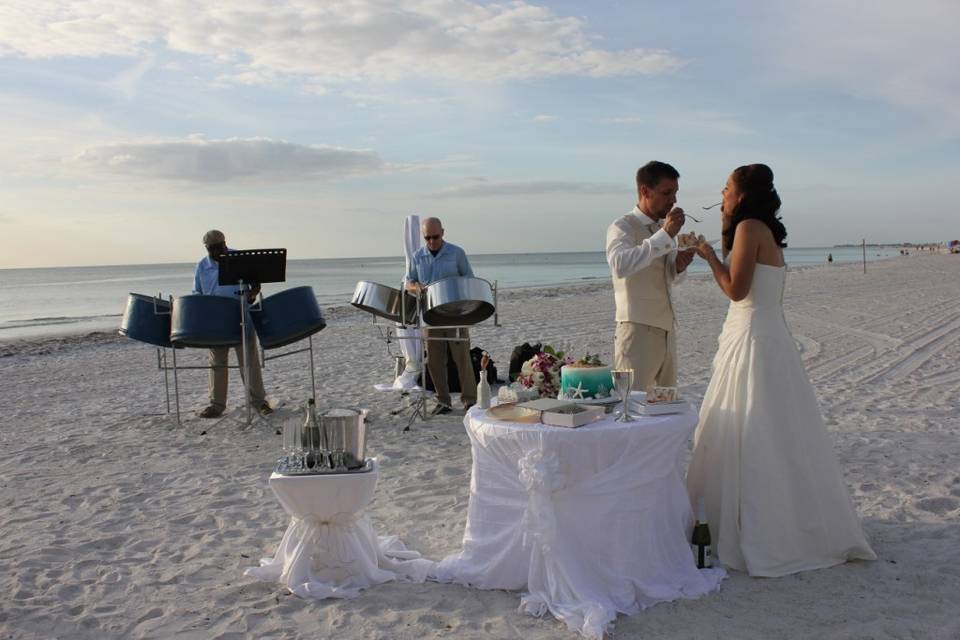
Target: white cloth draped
[329, 550]
[412, 349]
[590, 521]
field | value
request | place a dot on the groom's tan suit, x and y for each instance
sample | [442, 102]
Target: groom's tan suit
[642, 262]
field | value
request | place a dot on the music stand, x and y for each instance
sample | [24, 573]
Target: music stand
[250, 267]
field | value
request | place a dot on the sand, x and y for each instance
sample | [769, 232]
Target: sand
[118, 523]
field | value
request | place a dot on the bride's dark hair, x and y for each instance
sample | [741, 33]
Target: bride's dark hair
[760, 202]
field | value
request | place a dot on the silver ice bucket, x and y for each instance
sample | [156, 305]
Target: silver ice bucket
[346, 436]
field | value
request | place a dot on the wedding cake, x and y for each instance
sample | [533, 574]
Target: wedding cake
[587, 378]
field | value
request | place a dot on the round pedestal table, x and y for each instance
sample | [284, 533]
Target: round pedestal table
[330, 549]
[588, 521]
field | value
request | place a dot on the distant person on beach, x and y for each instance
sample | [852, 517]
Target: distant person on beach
[436, 260]
[829, 257]
[206, 282]
[644, 262]
[763, 466]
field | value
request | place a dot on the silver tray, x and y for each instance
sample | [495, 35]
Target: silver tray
[281, 469]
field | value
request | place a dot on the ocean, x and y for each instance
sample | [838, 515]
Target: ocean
[70, 300]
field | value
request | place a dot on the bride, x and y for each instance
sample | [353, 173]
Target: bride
[763, 463]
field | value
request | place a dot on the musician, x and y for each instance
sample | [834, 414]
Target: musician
[206, 281]
[436, 260]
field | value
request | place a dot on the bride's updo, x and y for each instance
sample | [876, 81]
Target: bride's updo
[760, 202]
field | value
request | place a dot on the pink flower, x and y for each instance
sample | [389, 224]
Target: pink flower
[542, 372]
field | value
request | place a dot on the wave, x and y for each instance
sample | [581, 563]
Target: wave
[54, 320]
[69, 283]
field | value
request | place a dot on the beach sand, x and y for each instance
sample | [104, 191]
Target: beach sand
[117, 523]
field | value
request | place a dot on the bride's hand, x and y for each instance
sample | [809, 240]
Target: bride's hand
[705, 250]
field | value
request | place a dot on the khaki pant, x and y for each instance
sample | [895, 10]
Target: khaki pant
[437, 351]
[650, 351]
[219, 358]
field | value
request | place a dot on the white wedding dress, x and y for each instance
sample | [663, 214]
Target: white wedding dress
[763, 463]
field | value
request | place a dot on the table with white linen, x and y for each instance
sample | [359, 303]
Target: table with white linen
[330, 549]
[588, 522]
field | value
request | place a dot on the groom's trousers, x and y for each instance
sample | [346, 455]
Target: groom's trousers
[650, 351]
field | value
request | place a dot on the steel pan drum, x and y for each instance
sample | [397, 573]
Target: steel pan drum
[287, 317]
[205, 321]
[458, 301]
[145, 322]
[384, 301]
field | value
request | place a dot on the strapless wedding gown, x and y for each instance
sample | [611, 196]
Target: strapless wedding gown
[763, 463]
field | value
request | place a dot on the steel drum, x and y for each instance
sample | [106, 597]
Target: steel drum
[384, 301]
[287, 317]
[205, 321]
[458, 301]
[147, 319]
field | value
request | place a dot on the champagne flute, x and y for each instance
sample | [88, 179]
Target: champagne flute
[299, 451]
[622, 383]
[290, 437]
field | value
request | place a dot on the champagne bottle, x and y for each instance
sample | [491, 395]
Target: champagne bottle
[311, 435]
[701, 538]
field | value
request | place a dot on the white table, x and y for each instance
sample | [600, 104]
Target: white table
[330, 549]
[589, 521]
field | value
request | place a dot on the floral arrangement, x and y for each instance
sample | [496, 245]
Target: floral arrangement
[542, 372]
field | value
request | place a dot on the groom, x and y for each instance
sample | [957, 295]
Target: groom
[644, 262]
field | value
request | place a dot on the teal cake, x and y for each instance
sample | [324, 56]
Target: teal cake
[583, 382]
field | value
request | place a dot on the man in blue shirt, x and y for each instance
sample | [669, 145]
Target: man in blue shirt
[206, 281]
[434, 261]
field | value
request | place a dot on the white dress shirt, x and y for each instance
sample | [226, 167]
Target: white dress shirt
[626, 257]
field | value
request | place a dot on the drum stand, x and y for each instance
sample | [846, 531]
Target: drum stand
[162, 365]
[419, 404]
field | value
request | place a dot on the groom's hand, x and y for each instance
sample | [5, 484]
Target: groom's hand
[674, 221]
[684, 258]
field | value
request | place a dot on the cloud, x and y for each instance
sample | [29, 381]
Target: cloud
[481, 188]
[902, 54]
[259, 41]
[702, 122]
[544, 117]
[127, 82]
[196, 159]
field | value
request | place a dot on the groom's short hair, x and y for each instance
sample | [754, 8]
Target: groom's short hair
[650, 174]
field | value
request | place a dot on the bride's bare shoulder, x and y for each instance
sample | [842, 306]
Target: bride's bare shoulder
[753, 227]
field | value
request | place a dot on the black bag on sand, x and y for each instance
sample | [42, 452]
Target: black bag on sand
[521, 354]
[475, 355]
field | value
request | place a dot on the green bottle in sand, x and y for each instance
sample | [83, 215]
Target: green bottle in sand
[701, 538]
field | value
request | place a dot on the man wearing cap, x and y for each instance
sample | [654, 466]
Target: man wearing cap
[434, 261]
[206, 281]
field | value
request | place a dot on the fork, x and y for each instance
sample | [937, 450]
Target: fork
[697, 220]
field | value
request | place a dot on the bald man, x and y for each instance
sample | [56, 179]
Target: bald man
[436, 260]
[206, 281]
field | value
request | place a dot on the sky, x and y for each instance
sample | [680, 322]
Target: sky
[127, 129]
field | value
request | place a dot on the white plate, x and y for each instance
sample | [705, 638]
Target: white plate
[510, 412]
